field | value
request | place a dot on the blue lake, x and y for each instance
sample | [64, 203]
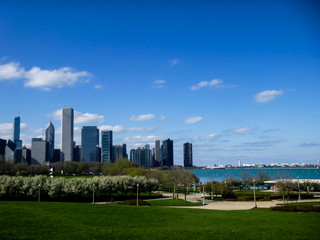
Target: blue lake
[274, 173]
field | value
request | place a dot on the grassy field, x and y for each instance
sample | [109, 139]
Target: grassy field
[49, 220]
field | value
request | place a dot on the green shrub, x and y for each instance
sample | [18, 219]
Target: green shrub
[296, 208]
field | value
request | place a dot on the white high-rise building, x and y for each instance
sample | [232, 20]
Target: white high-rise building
[67, 134]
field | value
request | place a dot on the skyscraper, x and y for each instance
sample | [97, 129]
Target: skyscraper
[67, 134]
[106, 146]
[157, 154]
[167, 153]
[50, 142]
[118, 152]
[89, 144]
[38, 151]
[16, 133]
[187, 154]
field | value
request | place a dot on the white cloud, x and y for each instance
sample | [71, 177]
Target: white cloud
[173, 62]
[97, 86]
[79, 118]
[57, 78]
[267, 96]
[209, 137]
[162, 118]
[192, 120]
[142, 117]
[212, 83]
[243, 130]
[10, 71]
[141, 139]
[7, 128]
[140, 129]
[158, 83]
[116, 128]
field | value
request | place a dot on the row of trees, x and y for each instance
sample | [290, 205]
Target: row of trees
[77, 186]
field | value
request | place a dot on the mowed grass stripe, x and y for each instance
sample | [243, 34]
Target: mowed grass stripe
[48, 220]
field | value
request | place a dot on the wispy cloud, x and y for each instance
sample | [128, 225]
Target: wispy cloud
[193, 120]
[267, 96]
[97, 86]
[208, 137]
[158, 83]
[162, 118]
[309, 145]
[79, 118]
[41, 78]
[212, 83]
[142, 117]
[173, 62]
[261, 144]
[240, 130]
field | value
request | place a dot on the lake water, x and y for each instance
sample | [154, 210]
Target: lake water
[219, 174]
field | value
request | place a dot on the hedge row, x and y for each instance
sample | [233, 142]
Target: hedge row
[58, 187]
[296, 208]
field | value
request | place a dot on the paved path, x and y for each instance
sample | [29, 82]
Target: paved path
[230, 205]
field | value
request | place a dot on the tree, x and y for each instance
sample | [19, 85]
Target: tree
[285, 185]
[261, 177]
[246, 179]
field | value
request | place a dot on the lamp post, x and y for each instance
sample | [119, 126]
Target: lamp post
[203, 193]
[254, 193]
[137, 194]
[299, 188]
[93, 193]
[39, 193]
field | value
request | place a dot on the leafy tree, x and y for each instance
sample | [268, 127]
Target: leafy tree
[261, 177]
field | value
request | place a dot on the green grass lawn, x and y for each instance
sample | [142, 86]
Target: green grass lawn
[172, 202]
[49, 220]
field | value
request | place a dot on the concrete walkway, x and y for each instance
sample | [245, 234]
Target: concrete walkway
[230, 205]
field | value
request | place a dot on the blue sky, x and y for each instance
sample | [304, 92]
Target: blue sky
[240, 80]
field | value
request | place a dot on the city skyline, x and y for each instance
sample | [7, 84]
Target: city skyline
[237, 80]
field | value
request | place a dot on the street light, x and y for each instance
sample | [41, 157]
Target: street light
[137, 194]
[203, 193]
[93, 193]
[254, 193]
[299, 188]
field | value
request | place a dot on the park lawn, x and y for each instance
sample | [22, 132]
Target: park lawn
[172, 202]
[50, 220]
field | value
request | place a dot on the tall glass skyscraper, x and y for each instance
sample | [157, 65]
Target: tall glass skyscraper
[16, 132]
[89, 144]
[167, 153]
[50, 142]
[187, 154]
[67, 134]
[157, 159]
[106, 146]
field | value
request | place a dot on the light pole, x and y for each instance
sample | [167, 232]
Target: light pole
[203, 193]
[254, 193]
[299, 188]
[137, 194]
[39, 193]
[93, 193]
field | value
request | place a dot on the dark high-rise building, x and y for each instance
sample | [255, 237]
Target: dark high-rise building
[56, 155]
[157, 153]
[77, 153]
[26, 155]
[89, 144]
[167, 153]
[3, 144]
[16, 132]
[50, 142]
[67, 134]
[106, 146]
[38, 151]
[118, 152]
[187, 154]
